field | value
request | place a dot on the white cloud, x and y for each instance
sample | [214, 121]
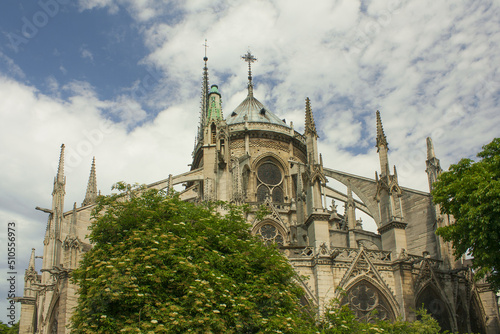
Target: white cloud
[12, 68]
[85, 53]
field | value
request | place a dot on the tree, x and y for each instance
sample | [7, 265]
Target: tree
[162, 265]
[5, 329]
[470, 191]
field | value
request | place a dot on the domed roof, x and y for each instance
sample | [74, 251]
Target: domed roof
[252, 110]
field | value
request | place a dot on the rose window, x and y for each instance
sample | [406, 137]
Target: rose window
[270, 234]
[269, 179]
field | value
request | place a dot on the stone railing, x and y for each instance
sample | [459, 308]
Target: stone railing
[338, 253]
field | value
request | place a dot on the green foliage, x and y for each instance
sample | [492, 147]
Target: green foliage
[341, 320]
[470, 191]
[162, 265]
[5, 329]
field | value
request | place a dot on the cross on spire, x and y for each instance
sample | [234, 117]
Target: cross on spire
[249, 58]
[206, 46]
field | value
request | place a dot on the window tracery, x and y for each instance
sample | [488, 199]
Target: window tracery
[368, 303]
[270, 182]
[270, 234]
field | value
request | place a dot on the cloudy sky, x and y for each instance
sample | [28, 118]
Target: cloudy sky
[121, 80]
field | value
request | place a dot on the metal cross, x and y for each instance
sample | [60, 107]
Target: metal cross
[249, 58]
[206, 46]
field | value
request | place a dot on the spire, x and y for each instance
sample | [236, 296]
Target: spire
[60, 180]
[310, 124]
[91, 194]
[382, 148]
[204, 98]
[430, 149]
[58, 191]
[249, 58]
[381, 139]
[31, 266]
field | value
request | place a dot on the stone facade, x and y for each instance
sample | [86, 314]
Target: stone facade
[253, 157]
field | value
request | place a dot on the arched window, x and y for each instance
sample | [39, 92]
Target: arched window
[270, 234]
[368, 303]
[245, 176]
[269, 182]
[435, 307]
[213, 130]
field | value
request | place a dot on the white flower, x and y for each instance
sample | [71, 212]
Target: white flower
[103, 316]
[216, 311]
[154, 321]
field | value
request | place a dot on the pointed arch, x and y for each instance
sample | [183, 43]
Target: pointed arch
[436, 304]
[213, 133]
[260, 159]
[271, 231]
[369, 300]
[271, 176]
[245, 179]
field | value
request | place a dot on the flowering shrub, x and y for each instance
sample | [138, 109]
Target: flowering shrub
[162, 265]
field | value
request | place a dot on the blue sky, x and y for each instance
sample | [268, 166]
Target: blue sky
[121, 80]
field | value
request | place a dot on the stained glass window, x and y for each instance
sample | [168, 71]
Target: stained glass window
[262, 193]
[269, 180]
[277, 195]
[269, 173]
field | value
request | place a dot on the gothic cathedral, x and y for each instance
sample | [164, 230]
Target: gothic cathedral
[251, 156]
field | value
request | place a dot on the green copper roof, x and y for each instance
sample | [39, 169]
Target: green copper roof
[214, 111]
[214, 89]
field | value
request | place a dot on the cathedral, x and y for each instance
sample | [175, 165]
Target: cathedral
[251, 156]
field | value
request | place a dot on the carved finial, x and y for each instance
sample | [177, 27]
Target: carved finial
[333, 206]
[310, 124]
[31, 266]
[60, 168]
[59, 179]
[381, 139]
[249, 58]
[91, 194]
